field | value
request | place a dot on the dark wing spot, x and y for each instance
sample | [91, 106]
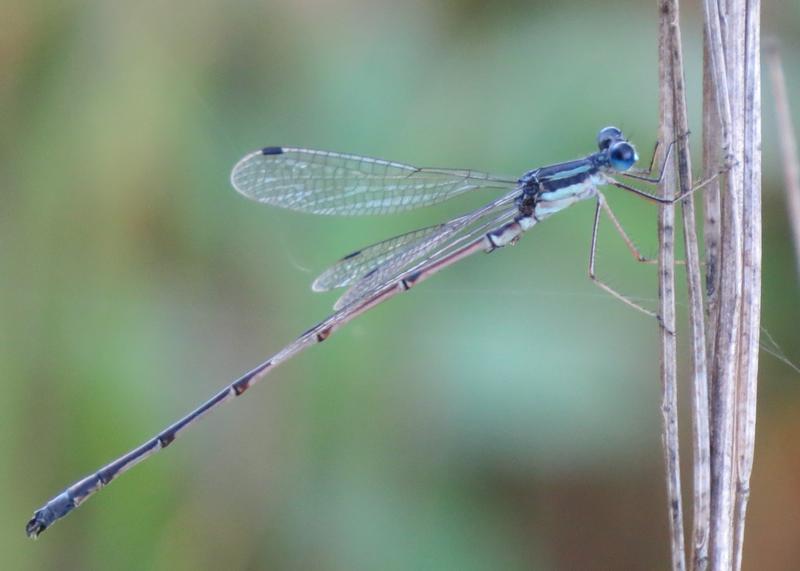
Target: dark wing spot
[272, 151]
[241, 385]
[351, 255]
[412, 279]
[166, 439]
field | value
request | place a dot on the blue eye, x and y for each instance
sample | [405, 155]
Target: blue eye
[621, 156]
[607, 136]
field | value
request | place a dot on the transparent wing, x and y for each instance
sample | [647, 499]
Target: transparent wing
[383, 274]
[353, 266]
[323, 182]
[448, 235]
[474, 231]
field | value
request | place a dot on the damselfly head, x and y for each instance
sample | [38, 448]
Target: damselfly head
[622, 156]
[608, 135]
[619, 153]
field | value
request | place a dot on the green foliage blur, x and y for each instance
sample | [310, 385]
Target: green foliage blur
[505, 415]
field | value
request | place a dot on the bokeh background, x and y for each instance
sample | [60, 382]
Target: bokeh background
[503, 416]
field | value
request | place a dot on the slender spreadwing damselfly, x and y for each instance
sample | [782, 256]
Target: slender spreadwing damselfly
[323, 182]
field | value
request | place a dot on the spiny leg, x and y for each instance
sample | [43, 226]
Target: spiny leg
[645, 175]
[634, 250]
[648, 170]
[661, 199]
[593, 256]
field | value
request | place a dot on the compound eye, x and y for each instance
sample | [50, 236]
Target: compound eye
[622, 156]
[607, 136]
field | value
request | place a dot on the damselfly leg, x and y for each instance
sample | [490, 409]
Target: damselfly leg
[600, 206]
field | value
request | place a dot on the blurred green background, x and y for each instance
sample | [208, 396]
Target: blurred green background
[503, 416]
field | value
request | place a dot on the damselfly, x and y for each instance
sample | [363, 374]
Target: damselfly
[332, 183]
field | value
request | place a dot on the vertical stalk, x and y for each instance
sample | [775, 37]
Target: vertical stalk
[697, 340]
[751, 273]
[712, 147]
[666, 296]
[732, 43]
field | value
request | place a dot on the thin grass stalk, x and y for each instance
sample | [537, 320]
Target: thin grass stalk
[666, 296]
[712, 159]
[726, 23]
[697, 340]
[746, 392]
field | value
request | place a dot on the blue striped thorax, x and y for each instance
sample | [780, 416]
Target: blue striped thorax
[550, 189]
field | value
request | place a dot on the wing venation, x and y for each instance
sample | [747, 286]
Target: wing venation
[323, 182]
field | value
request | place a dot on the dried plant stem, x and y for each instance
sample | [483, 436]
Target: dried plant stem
[666, 296]
[712, 211]
[747, 386]
[700, 403]
[711, 197]
[727, 319]
[788, 144]
[724, 402]
[732, 47]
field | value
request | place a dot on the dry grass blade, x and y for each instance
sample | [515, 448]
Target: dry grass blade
[700, 404]
[751, 274]
[712, 137]
[727, 318]
[666, 296]
[732, 31]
